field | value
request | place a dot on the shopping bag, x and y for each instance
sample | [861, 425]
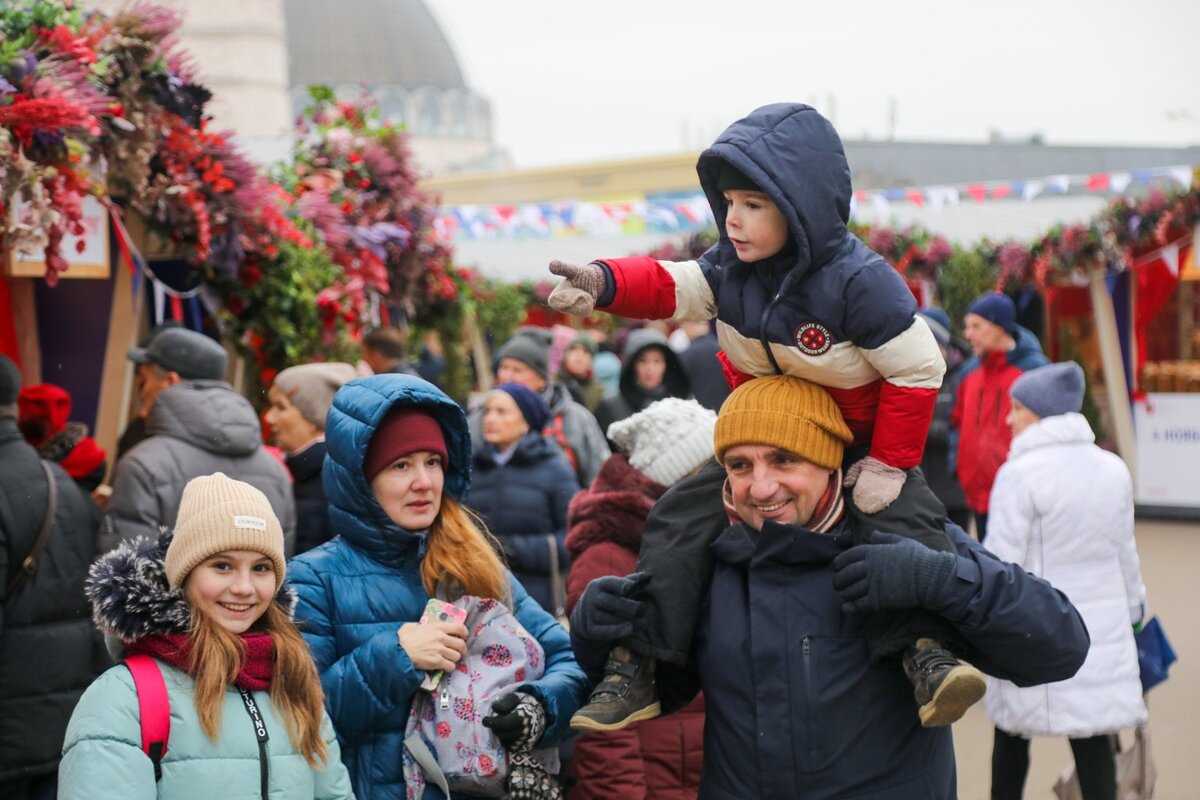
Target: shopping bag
[1155, 655]
[1136, 772]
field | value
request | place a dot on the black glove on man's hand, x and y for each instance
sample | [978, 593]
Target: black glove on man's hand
[518, 720]
[890, 572]
[606, 612]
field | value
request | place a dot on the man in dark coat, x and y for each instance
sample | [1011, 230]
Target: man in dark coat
[49, 649]
[795, 706]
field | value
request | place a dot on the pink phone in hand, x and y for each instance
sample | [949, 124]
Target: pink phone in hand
[439, 611]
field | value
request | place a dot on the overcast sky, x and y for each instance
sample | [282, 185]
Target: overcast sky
[583, 81]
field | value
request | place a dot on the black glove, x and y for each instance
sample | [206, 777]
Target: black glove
[518, 720]
[606, 611]
[890, 572]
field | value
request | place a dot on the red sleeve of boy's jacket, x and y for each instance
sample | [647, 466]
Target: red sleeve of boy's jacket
[902, 424]
[643, 289]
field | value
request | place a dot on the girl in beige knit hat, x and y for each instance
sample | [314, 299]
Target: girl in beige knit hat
[207, 603]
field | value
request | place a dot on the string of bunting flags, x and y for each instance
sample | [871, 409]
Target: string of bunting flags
[688, 212]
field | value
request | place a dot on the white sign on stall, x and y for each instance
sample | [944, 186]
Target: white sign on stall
[1167, 427]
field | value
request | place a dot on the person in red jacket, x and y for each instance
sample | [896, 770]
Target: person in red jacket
[1003, 352]
[668, 440]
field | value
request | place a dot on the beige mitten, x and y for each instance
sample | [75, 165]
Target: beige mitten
[577, 293]
[876, 485]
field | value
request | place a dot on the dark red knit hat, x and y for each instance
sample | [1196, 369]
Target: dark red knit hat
[404, 430]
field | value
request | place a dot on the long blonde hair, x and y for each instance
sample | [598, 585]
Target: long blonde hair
[462, 551]
[216, 658]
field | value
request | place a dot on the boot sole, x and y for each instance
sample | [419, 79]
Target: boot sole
[960, 690]
[581, 722]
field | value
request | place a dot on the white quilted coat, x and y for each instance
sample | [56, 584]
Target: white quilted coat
[1062, 508]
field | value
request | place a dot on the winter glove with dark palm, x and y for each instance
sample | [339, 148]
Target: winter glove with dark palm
[605, 614]
[518, 720]
[576, 294]
[890, 572]
[876, 484]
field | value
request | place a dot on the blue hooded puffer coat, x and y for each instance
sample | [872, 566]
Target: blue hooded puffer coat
[358, 589]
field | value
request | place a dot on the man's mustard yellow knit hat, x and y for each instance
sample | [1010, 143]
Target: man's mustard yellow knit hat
[217, 514]
[785, 412]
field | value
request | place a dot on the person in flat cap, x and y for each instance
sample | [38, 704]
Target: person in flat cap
[397, 471]
[525, 359]
[196, 425]
[794, 292]
[300, 399]
[1003, 351]
[1062, 508]
[796, 707]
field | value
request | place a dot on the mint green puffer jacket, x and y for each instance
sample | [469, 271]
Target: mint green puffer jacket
[103, 758]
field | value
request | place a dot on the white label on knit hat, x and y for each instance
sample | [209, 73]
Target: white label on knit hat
[253, 523]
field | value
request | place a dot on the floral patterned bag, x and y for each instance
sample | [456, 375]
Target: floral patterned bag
[446, 742]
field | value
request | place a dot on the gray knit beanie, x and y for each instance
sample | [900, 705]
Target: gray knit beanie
[528, 349]
[1051, 390]
[668, 440]
[311, 387]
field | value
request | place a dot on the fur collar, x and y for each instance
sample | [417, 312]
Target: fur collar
[613, 509]
[131, 597]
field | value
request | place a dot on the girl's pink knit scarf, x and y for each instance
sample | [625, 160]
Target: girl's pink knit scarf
[258, 667]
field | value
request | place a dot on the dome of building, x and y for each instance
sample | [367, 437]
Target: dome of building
[377, 42]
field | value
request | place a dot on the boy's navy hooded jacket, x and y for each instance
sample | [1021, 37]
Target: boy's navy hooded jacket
[827, 309]
[795, 707]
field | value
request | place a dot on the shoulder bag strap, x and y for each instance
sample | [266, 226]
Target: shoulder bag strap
[29, 565]
[557, 588]
[154, 708]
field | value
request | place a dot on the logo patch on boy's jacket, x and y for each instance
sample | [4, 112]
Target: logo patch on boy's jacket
[813, 338]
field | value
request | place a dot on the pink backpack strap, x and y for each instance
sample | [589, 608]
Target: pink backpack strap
[154, 708]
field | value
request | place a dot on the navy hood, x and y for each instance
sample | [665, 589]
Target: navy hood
[796, 157]
[358, 408]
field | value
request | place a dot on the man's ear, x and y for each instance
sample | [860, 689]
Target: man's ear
[173, 378]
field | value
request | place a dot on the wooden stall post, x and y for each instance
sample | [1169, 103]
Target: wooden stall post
[1111, 363]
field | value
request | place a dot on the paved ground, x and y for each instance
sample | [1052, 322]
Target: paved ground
[1170, 554]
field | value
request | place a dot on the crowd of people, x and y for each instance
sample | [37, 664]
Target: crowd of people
[755, 508]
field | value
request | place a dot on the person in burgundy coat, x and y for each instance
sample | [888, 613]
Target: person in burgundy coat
[658, 758]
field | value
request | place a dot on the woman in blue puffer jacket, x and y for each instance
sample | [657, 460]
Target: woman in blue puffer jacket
[398, 462]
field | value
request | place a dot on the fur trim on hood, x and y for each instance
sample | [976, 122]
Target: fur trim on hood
[131, 597]
[613, 509]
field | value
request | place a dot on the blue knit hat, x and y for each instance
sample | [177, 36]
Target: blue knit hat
[1051, 390]
[533, 408]
[997, 309]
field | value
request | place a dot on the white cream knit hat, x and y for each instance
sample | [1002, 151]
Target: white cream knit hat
[216, 514]
[667, 440]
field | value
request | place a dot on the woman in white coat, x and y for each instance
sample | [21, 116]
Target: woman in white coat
[1062, 508]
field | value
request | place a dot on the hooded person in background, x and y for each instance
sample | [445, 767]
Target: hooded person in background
[1062, 508]
[49, 649]
[650, 371]
[196, 427]
[577, 374]
[525, 359]
[43, 414]
[795, 706]
[300, 399]
[1003, 352]
[658, 759]
[702, 364]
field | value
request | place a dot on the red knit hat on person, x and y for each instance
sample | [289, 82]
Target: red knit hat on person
[403, 431]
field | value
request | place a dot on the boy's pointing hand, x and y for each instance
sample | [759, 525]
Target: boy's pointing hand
[577, 293]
